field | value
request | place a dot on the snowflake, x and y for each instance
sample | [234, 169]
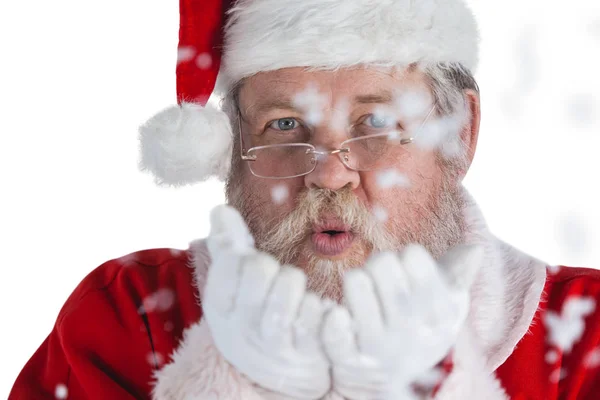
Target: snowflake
[380, 213]
[279, 194]
[395, 136]
[392, 178]
[452, 148]
[527, 60]
[161, 300]
[441, 134]
[175, 252]
[553, 269]
[386, 113]
[572, 233]
[594, 27]
[321, 153]
[128, 259]
[204, 61]
[557, 375]
[154, 358]
[566, 329]
[185, 53]
[61, 391]
[412, 106]
[580, 109]
[551, 357]
[431, 378]
[339, 118]
[578, 307]
[312, 103]
[592, 359]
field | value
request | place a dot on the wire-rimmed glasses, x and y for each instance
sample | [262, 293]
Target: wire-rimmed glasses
[291, 160]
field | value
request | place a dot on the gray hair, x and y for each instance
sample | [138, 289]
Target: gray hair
[447, 82]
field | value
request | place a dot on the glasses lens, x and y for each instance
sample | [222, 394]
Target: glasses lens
[371, 152]
[281, 161]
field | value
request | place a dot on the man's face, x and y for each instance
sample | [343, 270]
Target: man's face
[332, 218]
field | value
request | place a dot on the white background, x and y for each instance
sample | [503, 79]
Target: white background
[77, 78]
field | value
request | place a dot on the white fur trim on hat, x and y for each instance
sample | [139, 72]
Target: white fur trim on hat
[186, 144]
[265, 35]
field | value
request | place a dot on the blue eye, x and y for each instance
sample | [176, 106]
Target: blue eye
[284, 124]
[379, 121]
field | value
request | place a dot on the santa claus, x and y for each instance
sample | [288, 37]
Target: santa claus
[350, 262]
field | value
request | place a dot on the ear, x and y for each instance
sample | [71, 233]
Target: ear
[470, 132]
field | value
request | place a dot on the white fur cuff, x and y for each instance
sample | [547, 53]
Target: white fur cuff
[199, 372]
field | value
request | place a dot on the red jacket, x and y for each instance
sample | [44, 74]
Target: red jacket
[126, 317]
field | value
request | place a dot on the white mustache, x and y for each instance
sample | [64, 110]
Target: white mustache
[284, 239]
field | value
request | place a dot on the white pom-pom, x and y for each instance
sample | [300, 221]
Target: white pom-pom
[186, 144]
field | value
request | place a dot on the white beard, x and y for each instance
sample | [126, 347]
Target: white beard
[439, 227]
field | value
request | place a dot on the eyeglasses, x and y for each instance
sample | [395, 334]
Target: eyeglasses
[291, 160]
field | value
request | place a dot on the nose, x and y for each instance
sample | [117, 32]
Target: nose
[331, 173]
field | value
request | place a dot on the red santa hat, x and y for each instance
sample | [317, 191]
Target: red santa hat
[192, 141]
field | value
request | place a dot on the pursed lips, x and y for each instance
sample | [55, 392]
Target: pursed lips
[331, 237]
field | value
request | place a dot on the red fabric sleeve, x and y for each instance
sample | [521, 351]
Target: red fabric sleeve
[119, 325]
[539, 370]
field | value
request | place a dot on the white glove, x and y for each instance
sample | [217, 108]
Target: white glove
[261, 319]
[404, 315]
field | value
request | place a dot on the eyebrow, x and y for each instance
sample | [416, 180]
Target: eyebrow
[384, 97]
[277, 103]
[280, 102]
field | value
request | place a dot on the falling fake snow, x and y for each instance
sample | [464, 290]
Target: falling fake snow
[551, 356]
[128, 260]
[431, 378]
[204, 61]
[380, 213]
[592, 359]
[161, 300]
[279, 194]
[566, 329]
[412, 106]
[61, 391]
[581, 109]
[441, 133]
[155, 359]
[175, 252]
[557, 375]
[339, 117]
[185, 53]
[392, 178]
[572, 233]
[553, 269]
[594, 28]
[312, 103]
